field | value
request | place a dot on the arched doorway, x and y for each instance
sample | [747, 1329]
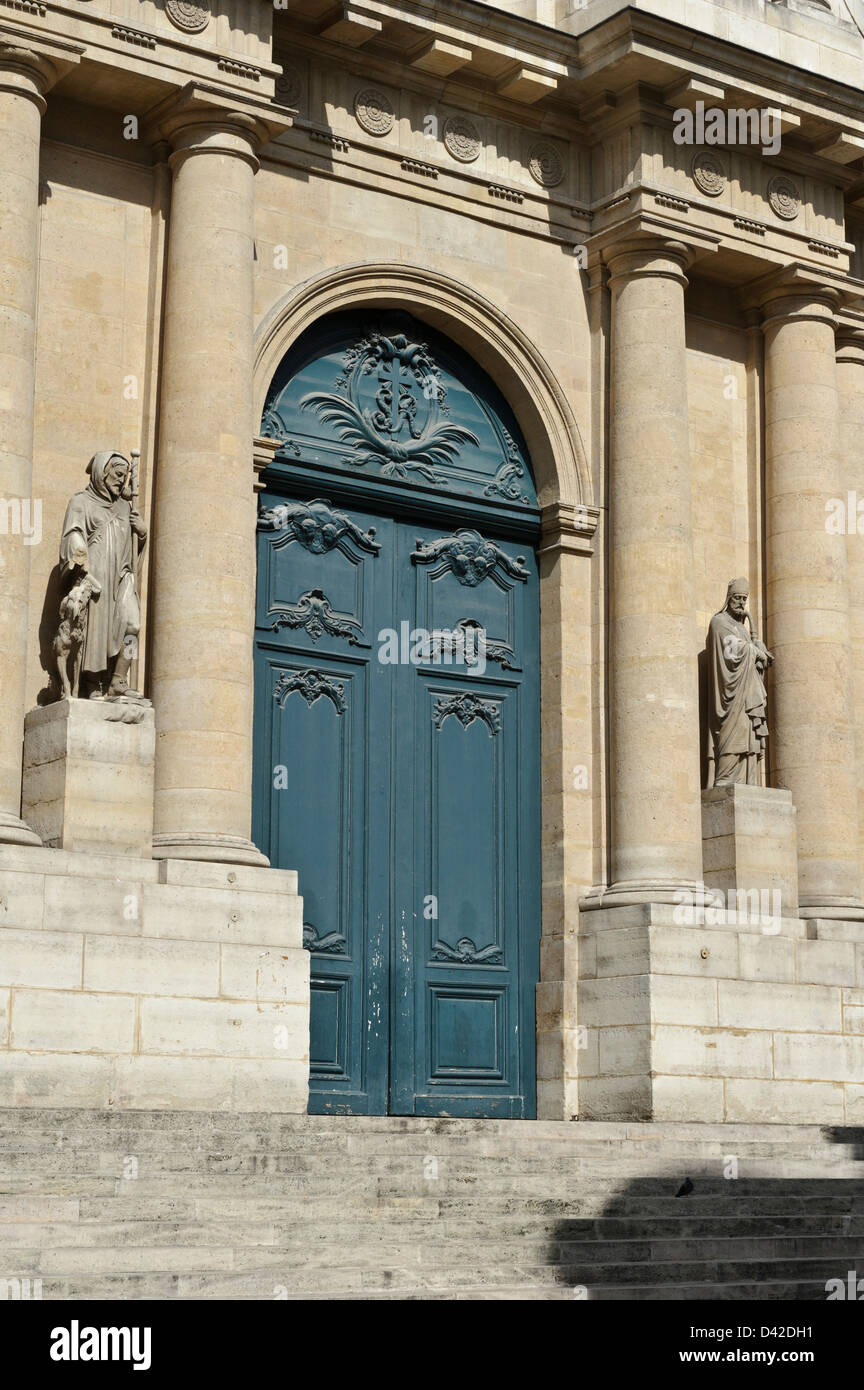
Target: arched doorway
[397, 728]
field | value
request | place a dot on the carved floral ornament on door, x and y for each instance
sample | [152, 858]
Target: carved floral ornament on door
[389, 408]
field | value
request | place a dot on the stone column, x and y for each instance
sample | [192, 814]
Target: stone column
[203, 586]
[656, 832]
[24, 78]
[850, 387]
[808, 595]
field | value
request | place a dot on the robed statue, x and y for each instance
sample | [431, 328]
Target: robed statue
[100, 613]
[737, 661]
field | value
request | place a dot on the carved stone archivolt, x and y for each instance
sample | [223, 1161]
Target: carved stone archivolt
[188, 15]
[784, 197]
[709, 173]
[462, 139]
[374, 111]
[545, 164]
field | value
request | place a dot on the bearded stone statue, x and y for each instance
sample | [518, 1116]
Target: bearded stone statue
[737, 661]
[100, 614]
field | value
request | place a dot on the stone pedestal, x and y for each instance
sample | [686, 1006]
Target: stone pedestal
[88, 775]
[695, 1013]
[750, 845]
[139, 984]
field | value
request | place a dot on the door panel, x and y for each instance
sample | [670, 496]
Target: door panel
[322, 727]
[409, 803]
[466, 974]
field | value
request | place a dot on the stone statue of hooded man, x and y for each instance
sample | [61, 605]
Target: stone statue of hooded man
[737, 714]
[97, 557]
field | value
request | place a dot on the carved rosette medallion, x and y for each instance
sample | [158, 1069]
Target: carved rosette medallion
[545, 164]
[784, 197]
[709, 173]
[289, 87]
[188, 15]
[461, 139]
[374, 111]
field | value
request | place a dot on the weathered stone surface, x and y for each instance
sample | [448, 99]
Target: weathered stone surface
[88, 775]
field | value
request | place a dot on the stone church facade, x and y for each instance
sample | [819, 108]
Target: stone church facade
[468, 317]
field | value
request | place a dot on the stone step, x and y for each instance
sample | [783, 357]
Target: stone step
[378, 1224]
[277, 1245]
[275, 1207]
[380, 1145]
[69, 1122]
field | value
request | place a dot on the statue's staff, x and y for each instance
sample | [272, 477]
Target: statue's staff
[134, 455]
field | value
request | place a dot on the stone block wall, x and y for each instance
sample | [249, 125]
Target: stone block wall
[138, 984]
[736, 1021]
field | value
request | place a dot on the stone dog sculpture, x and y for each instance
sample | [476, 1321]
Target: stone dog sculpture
[100, 613]
[68, 645]
[738, 727]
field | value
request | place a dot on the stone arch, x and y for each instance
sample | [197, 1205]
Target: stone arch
[492, 339]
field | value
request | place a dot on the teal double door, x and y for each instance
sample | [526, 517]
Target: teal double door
[397, 769]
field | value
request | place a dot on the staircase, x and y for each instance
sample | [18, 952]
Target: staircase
[195, 1205]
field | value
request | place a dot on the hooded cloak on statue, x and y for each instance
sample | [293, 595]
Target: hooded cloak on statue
[737, 715]
[100, 524]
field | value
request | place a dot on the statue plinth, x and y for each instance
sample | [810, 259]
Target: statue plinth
[88, 775]
[750, 842]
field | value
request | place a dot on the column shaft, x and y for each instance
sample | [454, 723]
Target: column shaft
[204, 569]
[656, 815]
[21, 107]
[850, 387]
[808, 599]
